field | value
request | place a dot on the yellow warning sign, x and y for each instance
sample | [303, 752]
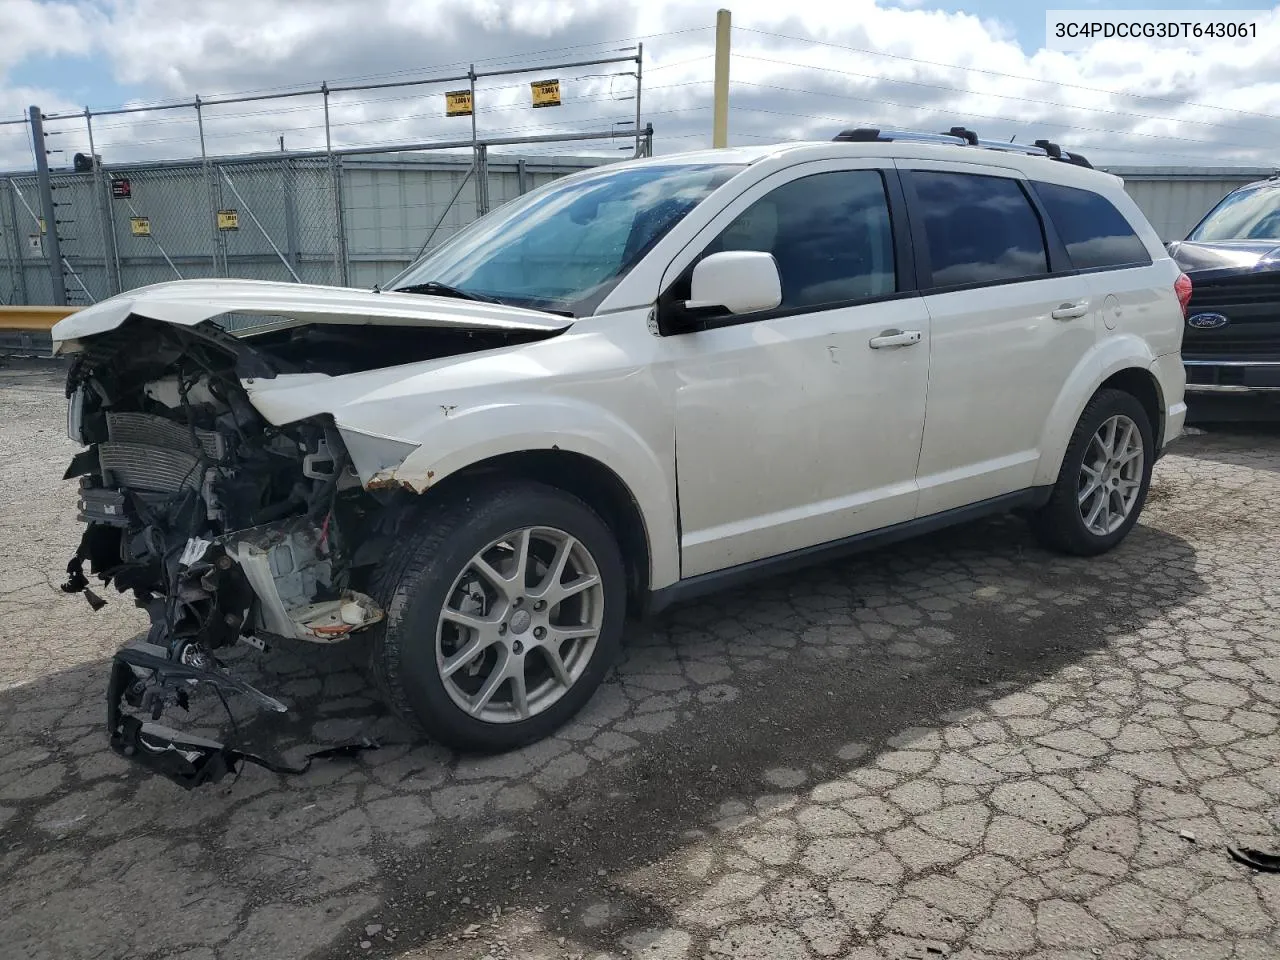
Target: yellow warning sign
[457, 103]
[228, 220]
[546, 93]
[140, 226]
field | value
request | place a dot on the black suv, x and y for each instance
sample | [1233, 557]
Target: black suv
[1231, 345]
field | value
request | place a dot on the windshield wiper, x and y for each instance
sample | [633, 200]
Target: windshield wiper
[437, 289]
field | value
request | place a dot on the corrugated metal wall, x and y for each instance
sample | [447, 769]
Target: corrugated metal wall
[393, 206]
[1175, 198]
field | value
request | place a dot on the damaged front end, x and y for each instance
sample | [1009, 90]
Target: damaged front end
[225, 528]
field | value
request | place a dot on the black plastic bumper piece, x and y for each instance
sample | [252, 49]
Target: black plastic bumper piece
[188, 760]
[167, 669]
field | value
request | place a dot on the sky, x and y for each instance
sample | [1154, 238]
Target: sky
[799, 70]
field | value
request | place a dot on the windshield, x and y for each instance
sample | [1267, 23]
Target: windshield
[564, 246]
[1245, 215]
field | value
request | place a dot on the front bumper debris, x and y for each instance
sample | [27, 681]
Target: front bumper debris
[289, 566]
[169, 675]
[226, 527]
[144, 678]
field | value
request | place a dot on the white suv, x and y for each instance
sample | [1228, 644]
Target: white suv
[632, 386]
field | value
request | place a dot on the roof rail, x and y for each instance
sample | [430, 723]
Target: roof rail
[962, 137]
[1057, 153]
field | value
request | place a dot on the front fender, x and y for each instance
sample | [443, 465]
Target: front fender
[452, 439]
[1102, 361]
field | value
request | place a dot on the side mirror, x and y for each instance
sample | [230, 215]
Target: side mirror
[740, 281]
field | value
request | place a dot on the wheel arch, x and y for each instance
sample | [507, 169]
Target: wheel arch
[1141, 384]
[1122, 362]
[623, 466]
[592, 482]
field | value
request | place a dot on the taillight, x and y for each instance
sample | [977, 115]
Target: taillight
[1182, 287]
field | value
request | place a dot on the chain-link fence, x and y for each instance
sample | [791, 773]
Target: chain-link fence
[23, 228]
[396, 206]
[331, 214]
[15, 248]
[349, 220]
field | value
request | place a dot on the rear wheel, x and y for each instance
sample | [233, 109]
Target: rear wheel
[1103, 482]
[504, 611]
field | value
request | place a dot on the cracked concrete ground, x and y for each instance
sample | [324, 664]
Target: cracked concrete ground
[961, 747]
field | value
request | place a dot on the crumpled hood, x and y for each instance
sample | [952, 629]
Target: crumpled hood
[1225, 257]
[189, 302]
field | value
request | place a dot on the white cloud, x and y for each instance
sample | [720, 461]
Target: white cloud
[30, 29]
[798, 71]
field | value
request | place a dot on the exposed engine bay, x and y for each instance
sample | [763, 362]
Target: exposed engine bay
[224, 528]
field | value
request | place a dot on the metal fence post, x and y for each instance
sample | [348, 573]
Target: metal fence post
[335, 184]
[341, 213]
[6, 258]
[52, 251]
[639, 68]
[211, 210]
[291, 213]
[9, 258]
[219, 203]
[17, 247]
[109, 253]
[477, 150]
[522, 176]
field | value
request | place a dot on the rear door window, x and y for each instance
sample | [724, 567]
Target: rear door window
[979, 229]
[1095, 233]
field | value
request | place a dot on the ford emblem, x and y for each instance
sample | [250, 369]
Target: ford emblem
[1207, 321]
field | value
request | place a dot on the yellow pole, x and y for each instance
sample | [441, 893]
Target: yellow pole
[720, 123]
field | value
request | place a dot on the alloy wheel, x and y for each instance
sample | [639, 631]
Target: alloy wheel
[520, 624]
[1111, 475]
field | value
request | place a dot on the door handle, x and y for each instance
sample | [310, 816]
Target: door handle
[896, 338]
[1070, 311]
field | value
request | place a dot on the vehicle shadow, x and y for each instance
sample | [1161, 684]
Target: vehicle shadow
[805, 709]
[793, 670]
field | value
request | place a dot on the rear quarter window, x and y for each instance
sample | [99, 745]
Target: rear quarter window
[1097, 235]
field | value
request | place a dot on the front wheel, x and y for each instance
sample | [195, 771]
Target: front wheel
[504, 611]
[1103, 481]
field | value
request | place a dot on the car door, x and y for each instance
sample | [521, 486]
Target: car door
[801, 425]
[1129, 287]
[1009, 321]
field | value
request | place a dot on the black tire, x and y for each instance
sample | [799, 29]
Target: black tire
[413, 582]
[1059, 524]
